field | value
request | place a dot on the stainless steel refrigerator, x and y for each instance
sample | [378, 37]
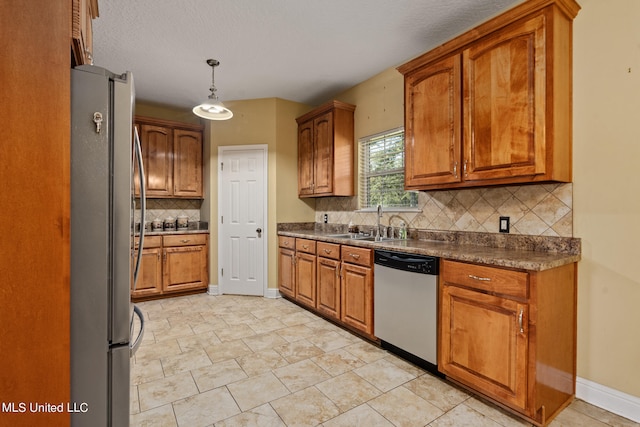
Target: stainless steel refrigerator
[103, 264]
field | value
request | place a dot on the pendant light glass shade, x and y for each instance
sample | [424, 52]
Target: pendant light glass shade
[211, 108]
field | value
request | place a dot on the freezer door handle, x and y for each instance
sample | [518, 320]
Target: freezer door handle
[136, 343]
[143, 203]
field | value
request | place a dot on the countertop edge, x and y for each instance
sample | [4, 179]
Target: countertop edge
[499, 257]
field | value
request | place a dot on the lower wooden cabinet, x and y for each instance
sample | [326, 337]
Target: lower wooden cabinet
[287, 266]
[184, 268]
[333, 280]
[149, 281]
[328, 280]
[487, 346]
[357, 288]
[171, 265]
[510, 335]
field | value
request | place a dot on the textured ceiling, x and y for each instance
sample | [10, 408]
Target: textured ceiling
[301, 50]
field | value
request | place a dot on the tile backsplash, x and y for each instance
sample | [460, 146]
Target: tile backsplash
[534, 210]
[163, 208]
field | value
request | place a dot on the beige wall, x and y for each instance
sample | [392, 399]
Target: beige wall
[165, 112]
[606, 123]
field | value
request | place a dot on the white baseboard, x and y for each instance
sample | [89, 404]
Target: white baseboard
[272, 293]
[612, 400]
[269, 293]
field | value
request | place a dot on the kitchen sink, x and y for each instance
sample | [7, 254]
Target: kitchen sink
[360, 237]
[373, 239]
[344, 236]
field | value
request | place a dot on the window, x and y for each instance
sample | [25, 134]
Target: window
[382, 172]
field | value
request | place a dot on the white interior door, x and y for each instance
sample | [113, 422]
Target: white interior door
[242, 237]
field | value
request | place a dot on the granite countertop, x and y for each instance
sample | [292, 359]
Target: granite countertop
[170, 232]
[525, 259]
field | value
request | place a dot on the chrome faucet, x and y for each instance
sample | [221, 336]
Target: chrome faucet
[378, 237]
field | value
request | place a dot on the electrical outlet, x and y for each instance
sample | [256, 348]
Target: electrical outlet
[504, 224]
[325, 218]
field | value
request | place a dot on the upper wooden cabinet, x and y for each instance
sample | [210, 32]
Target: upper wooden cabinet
[82, 14]
[493, 106]
[325, 151]
[173, 158]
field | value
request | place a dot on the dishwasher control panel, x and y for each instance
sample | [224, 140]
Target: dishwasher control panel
[407, 262]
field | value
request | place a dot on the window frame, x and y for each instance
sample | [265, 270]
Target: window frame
[364, 174]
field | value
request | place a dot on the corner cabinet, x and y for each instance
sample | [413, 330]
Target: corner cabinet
[493, 106]
[510, 335]
[173, 158]
[325, 151]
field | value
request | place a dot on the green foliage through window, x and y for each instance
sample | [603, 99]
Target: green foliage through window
[382, 172]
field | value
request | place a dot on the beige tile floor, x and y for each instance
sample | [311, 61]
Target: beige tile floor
[251, 361]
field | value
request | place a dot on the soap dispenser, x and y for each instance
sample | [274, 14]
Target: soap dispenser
[403, 231]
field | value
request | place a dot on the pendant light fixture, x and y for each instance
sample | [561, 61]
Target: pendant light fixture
[212, 109]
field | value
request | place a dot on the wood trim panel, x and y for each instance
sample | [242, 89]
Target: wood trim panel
[35, 172]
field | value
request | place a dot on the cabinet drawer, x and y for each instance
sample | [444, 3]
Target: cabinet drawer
[305, 245]
[329, 250]
[150, 242]
[354, 255]
[488, 279]
[286, 242]
[185, 240]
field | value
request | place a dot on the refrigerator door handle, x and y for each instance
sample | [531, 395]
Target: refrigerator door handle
[143, 203]
[135, 344]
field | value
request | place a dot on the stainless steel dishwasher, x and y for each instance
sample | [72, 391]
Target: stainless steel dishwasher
[406, 305]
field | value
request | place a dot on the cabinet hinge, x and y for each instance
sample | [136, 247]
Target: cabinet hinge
[222, 272]
[221, 166]
[221, 219]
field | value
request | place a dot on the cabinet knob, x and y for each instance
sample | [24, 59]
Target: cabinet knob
[259, 231]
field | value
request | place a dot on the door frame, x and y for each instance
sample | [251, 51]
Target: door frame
[265, 228]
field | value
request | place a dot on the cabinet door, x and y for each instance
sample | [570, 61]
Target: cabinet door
[504, 110]
[306, 279]
[185, 268]
[157, 149]
[286, 272]
[187, 163]
[433, 124]
[305, 158]
[483, 343]
[329, 287]
[357, 297]
[82, 13]
[150, 275]
[323, 154]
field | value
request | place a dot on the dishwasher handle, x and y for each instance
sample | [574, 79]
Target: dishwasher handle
[407, 262]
